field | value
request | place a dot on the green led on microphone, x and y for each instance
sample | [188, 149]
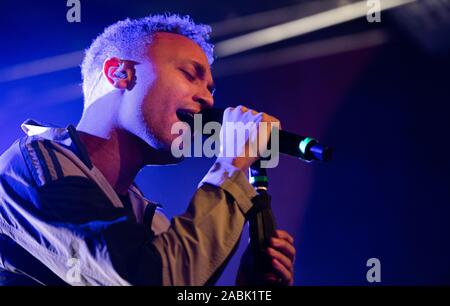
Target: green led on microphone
[304, 144]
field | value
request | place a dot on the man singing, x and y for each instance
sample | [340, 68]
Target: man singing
[70, 212]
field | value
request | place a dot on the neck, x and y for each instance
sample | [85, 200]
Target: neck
[118, 154]
[119, 157]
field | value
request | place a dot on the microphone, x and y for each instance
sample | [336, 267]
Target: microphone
[303, 147]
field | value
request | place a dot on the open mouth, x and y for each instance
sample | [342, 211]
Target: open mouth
[186, 116]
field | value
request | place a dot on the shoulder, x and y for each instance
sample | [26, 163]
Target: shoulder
[37, 161]
[46, 180]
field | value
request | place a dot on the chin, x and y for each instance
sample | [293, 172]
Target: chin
[161, 154]
[159, 149]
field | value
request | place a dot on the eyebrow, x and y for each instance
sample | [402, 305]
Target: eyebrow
[200, 70]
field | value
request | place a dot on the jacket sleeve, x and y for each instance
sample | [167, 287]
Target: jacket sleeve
[199, 242]
[70, 226]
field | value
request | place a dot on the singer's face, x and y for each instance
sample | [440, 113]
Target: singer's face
[175, 78]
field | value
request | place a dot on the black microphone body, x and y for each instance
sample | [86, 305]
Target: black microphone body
[306, 148]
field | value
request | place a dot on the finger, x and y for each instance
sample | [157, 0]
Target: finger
[241, 108]
[245, 109]
[274, 254]
[268, 118]
[283, 246]
[285, 274]
[284, 235]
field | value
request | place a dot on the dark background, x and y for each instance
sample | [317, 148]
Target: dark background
[377, 92]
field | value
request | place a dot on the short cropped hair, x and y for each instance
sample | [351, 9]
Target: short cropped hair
[130, 37]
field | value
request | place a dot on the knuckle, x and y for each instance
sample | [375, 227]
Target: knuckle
[228, 110]
[282, 232]
[268, 118]
[274, 119]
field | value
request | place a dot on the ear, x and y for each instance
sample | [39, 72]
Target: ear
[116, 73]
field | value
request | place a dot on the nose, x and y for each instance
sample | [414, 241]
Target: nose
[205, 98]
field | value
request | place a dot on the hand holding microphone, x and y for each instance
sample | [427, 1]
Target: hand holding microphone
[303, 147]
[255, 134]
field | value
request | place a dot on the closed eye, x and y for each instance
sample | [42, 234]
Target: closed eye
[188, 76]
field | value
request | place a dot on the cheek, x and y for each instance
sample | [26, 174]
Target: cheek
[166, 96]
[158, 107]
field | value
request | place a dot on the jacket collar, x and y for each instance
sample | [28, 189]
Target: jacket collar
[66, 137]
